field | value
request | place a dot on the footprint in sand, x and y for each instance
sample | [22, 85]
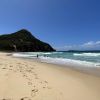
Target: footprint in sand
[36, 77]
[10, 66]
[3, 68]
[29, 83]
[45, 81]
[25, 98]
[34, 92]
[45, 85]
[5, 99]
[24, 75]
[29, 71]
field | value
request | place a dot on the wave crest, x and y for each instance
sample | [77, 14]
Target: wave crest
[87, 54]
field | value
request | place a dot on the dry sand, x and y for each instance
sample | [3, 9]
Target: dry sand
[22, 79]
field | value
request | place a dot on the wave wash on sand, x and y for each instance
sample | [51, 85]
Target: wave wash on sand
[54, 58]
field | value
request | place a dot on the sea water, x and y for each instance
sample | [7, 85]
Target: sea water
[84, 61]
[84, 56]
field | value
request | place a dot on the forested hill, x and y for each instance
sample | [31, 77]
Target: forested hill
[23, 41]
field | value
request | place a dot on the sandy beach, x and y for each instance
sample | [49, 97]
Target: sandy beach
[23, 79]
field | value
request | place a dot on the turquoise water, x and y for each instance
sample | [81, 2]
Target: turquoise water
[82, 61]
[81, 56]
[89, 57]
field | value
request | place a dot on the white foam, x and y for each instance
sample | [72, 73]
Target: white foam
[84, 66]
[87, 54]
[39, 53]
[63, 61]
[57, 52]
[22, 55]
[47, 53]
[87, 67]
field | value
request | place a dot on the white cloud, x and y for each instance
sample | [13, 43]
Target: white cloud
[98, 42]
[91, 45]
[88, 45]
[69, 47]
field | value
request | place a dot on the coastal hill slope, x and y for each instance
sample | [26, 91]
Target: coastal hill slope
[23, 41]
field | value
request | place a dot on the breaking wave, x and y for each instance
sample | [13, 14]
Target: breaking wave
[87, 54]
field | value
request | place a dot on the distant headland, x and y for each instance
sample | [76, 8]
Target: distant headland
[23, 41]
[92, 51]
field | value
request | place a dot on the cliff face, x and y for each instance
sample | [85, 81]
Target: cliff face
[23, 41]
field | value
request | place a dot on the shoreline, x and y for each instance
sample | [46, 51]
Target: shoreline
[22, 79]
[85, 68]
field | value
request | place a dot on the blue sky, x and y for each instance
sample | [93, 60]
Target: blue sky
[65, 24]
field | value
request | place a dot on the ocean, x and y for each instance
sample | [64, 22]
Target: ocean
[64, 57]
[84, 61]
